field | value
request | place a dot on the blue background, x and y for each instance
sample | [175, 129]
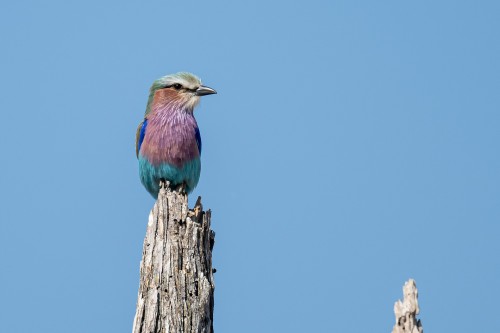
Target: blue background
[352, 145]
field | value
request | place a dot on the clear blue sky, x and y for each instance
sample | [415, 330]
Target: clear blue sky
[352, 145]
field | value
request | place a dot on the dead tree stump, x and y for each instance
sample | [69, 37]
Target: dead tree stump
[176, 292]
[406, 311]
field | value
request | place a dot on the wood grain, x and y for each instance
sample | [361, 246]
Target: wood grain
[176, 292]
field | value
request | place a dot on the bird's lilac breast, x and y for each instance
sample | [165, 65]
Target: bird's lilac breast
[171, 137]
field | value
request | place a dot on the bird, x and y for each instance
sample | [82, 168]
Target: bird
[168, 140]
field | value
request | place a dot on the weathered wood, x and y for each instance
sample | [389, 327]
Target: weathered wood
[406, 311]
[176, 292]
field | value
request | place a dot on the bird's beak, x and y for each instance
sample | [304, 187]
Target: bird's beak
[202, 91]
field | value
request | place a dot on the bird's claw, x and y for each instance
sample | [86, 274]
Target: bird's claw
[182, 188]
[164, 184]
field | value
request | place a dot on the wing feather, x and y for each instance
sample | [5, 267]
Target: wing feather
[139, 135]
[198, 139]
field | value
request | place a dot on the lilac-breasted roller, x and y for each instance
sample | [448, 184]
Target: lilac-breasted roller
[168, 141]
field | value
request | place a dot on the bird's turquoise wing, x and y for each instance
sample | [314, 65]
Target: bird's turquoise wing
[139, 136]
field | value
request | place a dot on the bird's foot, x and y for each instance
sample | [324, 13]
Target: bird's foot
[165, 184]
[181, 188]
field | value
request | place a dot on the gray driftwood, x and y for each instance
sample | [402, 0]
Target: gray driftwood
[176, 292]
[406, 311]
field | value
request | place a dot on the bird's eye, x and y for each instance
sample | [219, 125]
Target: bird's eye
[177, 86]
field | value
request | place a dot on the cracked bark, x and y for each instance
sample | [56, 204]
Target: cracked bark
[176, 292]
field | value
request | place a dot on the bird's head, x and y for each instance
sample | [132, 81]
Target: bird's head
[182, 90]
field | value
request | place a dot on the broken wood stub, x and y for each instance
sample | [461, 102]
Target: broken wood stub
[406, 311]
[176, 292]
